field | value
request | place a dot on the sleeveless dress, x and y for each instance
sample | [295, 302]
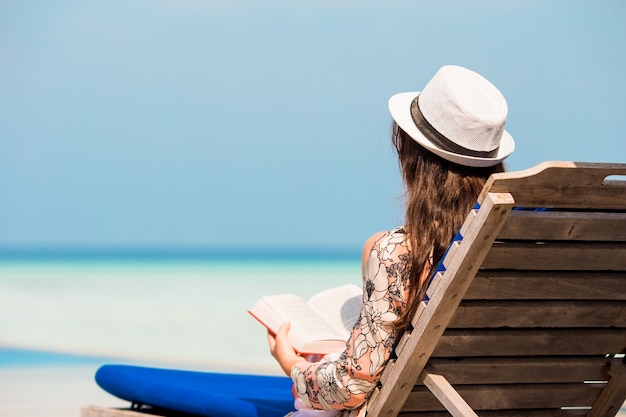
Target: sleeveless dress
[344, 383]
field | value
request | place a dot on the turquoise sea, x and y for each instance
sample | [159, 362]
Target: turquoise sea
[182, 310]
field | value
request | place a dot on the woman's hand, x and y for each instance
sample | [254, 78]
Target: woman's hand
[282, 350]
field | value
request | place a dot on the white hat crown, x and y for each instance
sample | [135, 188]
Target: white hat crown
[465, 108]
[459, 116]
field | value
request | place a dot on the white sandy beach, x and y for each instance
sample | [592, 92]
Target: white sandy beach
[50, 391]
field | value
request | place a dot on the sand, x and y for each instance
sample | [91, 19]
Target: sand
[50, 391]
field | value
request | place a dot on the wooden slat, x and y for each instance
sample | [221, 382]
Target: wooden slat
[517, 342]
[534, 313]
[614, 395]
[521, 370]
[495, 397]
[563, 185]
[567, 225]
[547, 285]
[549, 412]
[553, 256]
[95, 411]
[447, 395]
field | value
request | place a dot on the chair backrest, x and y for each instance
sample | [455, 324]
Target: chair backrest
[529, 318]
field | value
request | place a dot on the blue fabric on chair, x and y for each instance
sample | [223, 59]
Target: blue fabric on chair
[440, 266]
[202, 393]
[458, 237]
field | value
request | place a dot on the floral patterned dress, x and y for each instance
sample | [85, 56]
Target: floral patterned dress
[345, 383]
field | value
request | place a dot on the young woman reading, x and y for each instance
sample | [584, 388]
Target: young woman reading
[449, 138]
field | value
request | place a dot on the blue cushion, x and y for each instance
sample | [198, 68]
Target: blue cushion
[202, 393]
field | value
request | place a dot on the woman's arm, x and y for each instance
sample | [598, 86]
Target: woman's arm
[346, 382]
[280, 347]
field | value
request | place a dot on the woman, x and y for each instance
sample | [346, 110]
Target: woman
[449, 138]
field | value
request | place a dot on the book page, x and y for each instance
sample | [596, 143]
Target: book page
[306, 323]
[340, 307]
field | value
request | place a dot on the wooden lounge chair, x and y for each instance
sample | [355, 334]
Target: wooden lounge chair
[529, 317]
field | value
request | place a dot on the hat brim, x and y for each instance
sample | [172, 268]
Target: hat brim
[400, 109]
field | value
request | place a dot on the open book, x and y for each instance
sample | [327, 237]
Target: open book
[318, 326]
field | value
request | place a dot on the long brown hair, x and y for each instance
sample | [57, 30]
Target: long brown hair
[439, 196]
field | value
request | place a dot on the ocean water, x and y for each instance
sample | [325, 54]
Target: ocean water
[186, 313]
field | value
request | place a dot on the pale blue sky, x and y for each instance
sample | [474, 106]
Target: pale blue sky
[206, 123]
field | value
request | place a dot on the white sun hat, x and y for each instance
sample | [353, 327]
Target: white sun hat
[459, 116]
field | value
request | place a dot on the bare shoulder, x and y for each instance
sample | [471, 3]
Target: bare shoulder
[369, 243]
[385, 238]
[391, 241]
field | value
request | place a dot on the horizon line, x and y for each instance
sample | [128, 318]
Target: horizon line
[197, 253]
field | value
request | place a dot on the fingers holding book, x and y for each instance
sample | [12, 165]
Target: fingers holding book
[281, 348]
